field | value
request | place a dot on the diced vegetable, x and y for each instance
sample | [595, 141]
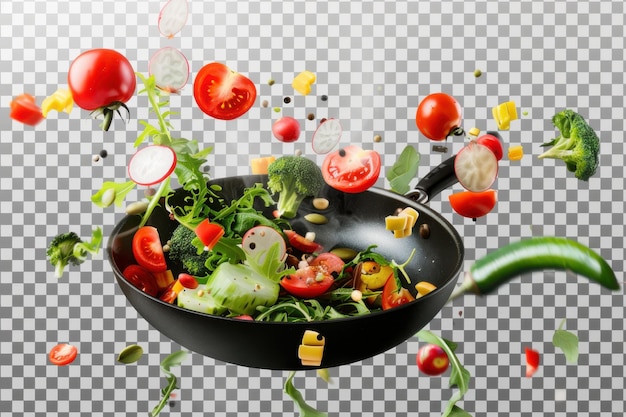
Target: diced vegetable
[199, 300]
[516, 153]
[209, 233]
[258, 166]
[532, 361]
[60, 100]
[24, 109]
[302, 82]
[504, 113]
[152, 164]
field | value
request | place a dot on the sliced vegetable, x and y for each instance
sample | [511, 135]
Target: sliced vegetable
[394, 294]
[147, 249]
[199, 300]
[326, 136]
[63, 354]
[173, 17]
[438, 116]
[493, 143]
[286, 129]
[351, 169]
[24, 109]
[170, 69]
[151, 165]
[301, 243]
[432, 360]
[473, 205]
[308, 282]
[223, 93]
[60, 100]
[257, 241]
[532, 361]
[424, 287]
[403, 170]
[209, 233]
[476, 167]
[504, 113]
[141, 278]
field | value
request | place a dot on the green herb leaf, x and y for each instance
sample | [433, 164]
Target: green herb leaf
[567, 342]
[174, 359]
[458, 412]
[305, 409]
[459, 377]
[119, 191]
[404, 170]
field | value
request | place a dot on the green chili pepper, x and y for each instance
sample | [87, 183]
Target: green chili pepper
[535, 254]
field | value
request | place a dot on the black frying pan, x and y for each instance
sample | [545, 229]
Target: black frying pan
[356, 221]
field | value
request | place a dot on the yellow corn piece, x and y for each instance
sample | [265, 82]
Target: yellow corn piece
[424, 287]
[303, 81]
[504, 113]
[312, 338]
[474, 131]
[60, 100]
[311, 355]
[396, 222]
[259, 166]
[516, 153]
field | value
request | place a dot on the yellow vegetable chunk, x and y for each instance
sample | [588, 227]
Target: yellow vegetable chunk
[474, 131]
[424, 287]
[504, 113]
[312, 338]
[259, 165]
[412, 214]
[516, 153]
[311, 355]
[398, 234]
[303, 81]
[60, 100]
[396, 222]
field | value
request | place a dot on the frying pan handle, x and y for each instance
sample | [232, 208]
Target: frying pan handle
[437, 180]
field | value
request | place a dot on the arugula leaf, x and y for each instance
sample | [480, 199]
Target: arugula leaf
[404, 170]
[567, 342]
[119, 189]
[272, 265]
[459, 377]
[305, 409]
[174, 359]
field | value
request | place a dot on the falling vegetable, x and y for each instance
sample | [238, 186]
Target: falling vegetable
[173, 17]
[174, 359]
[170, 69]
[532, 361]
[403, 170]
[567, 342]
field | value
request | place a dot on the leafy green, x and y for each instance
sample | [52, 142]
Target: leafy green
[119, 189]
[174, 359]
[567, 342]
[305, 409]
[459, 376]
[272, 265]
[69, 249]
[403, 170]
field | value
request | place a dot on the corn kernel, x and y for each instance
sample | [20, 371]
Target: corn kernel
[474, 131]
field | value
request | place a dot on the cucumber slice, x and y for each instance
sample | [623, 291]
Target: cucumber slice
[241, 289]
[201, 301]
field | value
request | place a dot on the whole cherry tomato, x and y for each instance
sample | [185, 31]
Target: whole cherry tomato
[286, 129]
[439, 116]
[432, 360]
[351, 169]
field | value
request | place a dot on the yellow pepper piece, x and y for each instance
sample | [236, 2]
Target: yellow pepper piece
[396, 222]
[312, 338]
[474, 131]
[60, 100]
[516, 153]
[412, 214]
[424, 287]
[259, 165]
[303, 81]
[504, 113]
[311, 355]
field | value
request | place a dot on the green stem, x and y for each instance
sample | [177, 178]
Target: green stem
[163, 188]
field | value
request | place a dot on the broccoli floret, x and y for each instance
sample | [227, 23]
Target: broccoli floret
[294, 178]
[191, 256]
[69, 249]
[577, 145]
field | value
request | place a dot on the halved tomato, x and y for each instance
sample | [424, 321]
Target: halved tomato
[329, 262]
[301, 243]
[24, 109]
[308, 282]
[351, 169]
[223, 93]
[141, 278]
[394, 295]
[148, 250]
[62, 354]
[473, 205]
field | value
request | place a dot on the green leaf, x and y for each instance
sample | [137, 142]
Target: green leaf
[403, 170]
[174, 359]
[119, 189]
[458, 412]
[567, 342]
[305, 409]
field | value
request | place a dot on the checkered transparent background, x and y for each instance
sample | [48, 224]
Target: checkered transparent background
[374, 60]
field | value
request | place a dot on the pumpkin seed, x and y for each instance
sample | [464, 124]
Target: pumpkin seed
[346, 254]
[130, 354]
[320, 203]
[316, 218]
[108, 197]
[138, 207]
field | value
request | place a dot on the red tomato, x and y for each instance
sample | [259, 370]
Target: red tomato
[25, 110]
[286, 129]
[169, 295]
[141, 278]
[351, 169]
[188, 281]
[209, 233]
[301, 243]
[532, 362]
[148, 250]
[473, 205]
[432, 360]
[245, 317]
[393, 295]
[438, 116]
[223, 93]
[308, 282]
[329, 262]
[493, 143]
[100, 78]
[62, 354]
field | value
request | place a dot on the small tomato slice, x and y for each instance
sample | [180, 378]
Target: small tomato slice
[432, 360]
[330, 262]
[301, 243]
[223, 93]
[438, 116]
[209, 233]
[532, 361]
[393, 295]
[493, 143]
[148, 250]
[62, 354]
[351, 169]
[25, 110]
[308, 282]
[141, 278]
[473, 205]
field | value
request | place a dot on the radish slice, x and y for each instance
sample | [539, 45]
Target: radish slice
[258, 240]
[170, 69]
[326, 136]
[173, 17]
[476, 167]
[151, 165]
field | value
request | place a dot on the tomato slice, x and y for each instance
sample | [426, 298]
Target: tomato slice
[63, 354]
[25, 110]
[473, 205]
[209, 233]
[223, 93]
[532, 361]
[141, 278]
[393, 295]
[329, 262]
[493, 143]
[351, 169]
[301, 243]
[308, 282]
[148, 250]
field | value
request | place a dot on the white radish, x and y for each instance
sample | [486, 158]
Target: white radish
[173, 17]
[151, 165]
[326, 136]
[476, 167]
[170, 69]
[257, 241]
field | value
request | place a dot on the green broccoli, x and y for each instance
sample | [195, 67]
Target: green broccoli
[295, 178]
[69, 249]
[577, 145]
[192, 256]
